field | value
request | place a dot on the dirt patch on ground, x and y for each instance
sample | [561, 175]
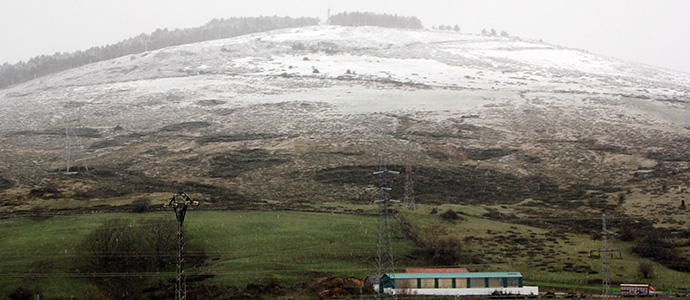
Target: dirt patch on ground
[339, 287]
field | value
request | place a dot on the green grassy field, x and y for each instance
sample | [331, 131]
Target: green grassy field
[242, 247]
[247, 247]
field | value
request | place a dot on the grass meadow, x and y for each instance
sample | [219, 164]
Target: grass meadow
[256, 246]
[242, 248]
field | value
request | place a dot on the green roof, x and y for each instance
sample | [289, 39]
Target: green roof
[455, 275]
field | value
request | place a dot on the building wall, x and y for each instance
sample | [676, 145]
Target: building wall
[525, 290]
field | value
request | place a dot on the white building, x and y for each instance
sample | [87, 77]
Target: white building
[476, 283]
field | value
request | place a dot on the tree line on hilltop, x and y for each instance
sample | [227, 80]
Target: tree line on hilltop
[11, 74]
[372, 19]
[42, 65]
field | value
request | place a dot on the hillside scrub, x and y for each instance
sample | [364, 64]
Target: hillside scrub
[232, 164]
[440, 246]
[450, 216]
[141, 205]
[118, 181]
[5, 183]
[659, 246]
[461, 184]
[484, 154]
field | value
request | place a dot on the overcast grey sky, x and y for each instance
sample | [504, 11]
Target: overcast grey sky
[654, 32]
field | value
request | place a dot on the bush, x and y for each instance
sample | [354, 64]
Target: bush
[628, 233]
[659, 250]
[5, 184]
[121, 249]
[439, 246]
[141, 205]
[21, 294]
[621, 198]
[645, 270]
[654, 251]
[450, 216]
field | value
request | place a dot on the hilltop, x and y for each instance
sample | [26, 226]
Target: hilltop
[297, 116]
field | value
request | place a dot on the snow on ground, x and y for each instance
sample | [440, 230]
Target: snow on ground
[367, 36]
[429, 74]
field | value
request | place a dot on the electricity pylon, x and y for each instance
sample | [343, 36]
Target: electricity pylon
[408, 201]
[74, 149]
[604, 253]
[69, 148]
[384, 247]
[180, 202]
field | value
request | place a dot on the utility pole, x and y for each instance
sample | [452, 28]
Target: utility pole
[179, 203]
[604, 253]
[384, 247]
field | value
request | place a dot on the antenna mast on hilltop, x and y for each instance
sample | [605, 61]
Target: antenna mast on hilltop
[384, 249]
[604, 253]
[180, 202]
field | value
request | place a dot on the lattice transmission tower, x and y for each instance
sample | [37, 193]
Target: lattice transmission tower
[179, 203]
[605, 255]
[384, 247]
[408, 201]
[74, 148]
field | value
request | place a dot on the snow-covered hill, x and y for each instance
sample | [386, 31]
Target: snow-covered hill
[282, 63]
[319, 99]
